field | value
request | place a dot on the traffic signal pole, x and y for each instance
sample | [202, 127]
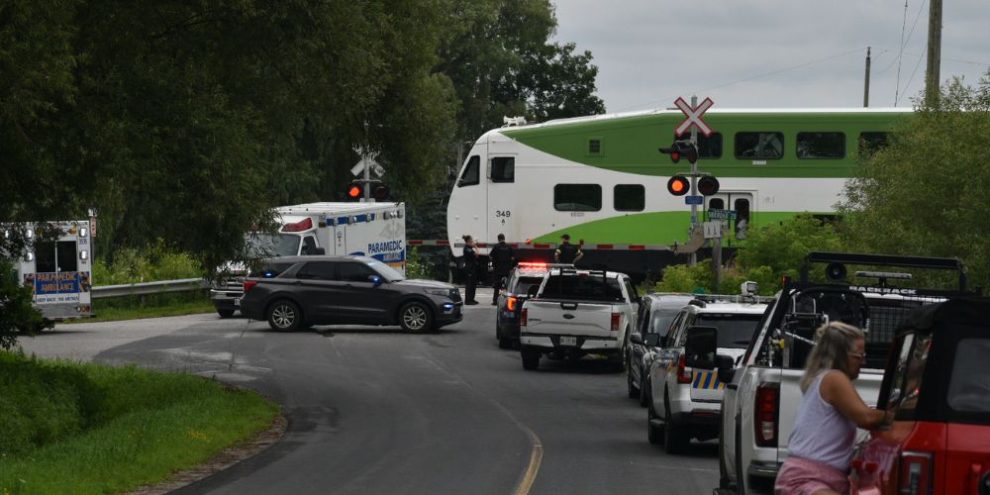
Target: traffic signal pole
[694, 181]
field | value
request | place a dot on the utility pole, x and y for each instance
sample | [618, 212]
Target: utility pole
[934, 52]
[866, 87]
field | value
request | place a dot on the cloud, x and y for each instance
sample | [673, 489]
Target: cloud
[762, 53]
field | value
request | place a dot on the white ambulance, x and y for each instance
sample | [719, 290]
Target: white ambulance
[57, 266]
[377, 230]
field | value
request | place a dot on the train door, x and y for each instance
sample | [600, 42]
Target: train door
[739, 202]
[468, 207]
[502, 191]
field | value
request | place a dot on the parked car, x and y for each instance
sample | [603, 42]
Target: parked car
[685, 400]
[575, 312]
[349, 290]
[510, 301]
[937, 386]
[656, 312]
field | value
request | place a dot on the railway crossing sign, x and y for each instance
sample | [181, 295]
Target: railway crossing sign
[693, 117]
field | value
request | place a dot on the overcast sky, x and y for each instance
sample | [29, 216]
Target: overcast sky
[762, 53]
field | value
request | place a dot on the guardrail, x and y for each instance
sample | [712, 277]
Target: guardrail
[181, 285]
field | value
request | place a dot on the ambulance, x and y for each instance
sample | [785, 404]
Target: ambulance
[57, 266]
[377, 230]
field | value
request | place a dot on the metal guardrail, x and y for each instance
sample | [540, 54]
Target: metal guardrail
[181, 285]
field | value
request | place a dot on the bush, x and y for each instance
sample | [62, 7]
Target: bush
[130, 266]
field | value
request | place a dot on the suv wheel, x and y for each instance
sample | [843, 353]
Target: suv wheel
[415, 317]
[653, 432]
[284, 315]
[530, 358]
[675, 439]
[630, 387]
[225, 313]
[644, 389]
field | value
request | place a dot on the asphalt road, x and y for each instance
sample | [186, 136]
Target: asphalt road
[378, 411]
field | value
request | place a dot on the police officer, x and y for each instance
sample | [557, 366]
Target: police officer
[503, 257]
[470, 270]
[567, 252]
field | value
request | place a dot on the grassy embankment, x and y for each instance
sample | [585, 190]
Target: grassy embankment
[87, 428]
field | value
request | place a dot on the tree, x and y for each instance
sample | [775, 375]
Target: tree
[501, 64]
[925, 194]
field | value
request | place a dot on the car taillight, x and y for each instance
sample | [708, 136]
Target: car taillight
[522, 319]
[767, 413]
[510, 303]
[616, 318]
[683, 376]
[915, 473]
[249, 284]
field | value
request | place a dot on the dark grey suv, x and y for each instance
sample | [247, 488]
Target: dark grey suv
[323, 290]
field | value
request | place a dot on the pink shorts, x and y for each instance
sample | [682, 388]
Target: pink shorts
[803, 477]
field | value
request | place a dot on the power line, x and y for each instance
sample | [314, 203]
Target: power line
[904, 42]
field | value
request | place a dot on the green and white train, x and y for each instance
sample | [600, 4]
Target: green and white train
[602, 180]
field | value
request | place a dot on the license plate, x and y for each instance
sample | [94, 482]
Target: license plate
[237, 302]
[568, 341]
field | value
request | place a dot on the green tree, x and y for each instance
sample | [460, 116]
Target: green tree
[501, 64]
[926, 193]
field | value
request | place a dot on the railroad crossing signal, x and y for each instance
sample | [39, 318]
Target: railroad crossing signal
[355, 190]
[708, 185]
[682, 148]
[678, 185]
[693, 117]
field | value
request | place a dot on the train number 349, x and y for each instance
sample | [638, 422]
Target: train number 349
[503, 213]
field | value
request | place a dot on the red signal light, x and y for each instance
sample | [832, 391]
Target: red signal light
[708, 185]
[678, 185]
[354, 191]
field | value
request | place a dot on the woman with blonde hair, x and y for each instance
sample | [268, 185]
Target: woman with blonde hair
[821, 444]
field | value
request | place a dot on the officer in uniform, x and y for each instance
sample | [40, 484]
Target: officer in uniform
[567, 252]
[503, 258]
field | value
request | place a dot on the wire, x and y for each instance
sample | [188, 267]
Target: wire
[905, 42]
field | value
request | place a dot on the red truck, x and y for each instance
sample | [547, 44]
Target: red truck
[937, 385]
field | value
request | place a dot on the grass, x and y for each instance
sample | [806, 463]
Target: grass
[149, 306]
[87, 428]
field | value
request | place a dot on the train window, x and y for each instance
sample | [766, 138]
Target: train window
[872, 142]
[629, 197]
[471, 176]
[814, 145]
[595, 146]
[710, 147]
[577, 197]
[716, 204]
[759, 145]
[503, 169]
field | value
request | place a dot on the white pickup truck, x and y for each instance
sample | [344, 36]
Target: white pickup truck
[760, 400]
[577, 312]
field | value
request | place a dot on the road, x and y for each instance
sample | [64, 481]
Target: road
[375, 411]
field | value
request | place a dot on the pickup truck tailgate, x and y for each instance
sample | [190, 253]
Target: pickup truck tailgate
[568, 318]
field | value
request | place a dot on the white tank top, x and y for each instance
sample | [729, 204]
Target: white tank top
[821, 433]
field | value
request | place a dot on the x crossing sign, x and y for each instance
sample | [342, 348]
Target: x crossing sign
[693, 117]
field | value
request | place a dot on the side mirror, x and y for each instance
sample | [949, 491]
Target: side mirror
[532, 291]
[635, 338]
[376, 280]
[652, 340]
[726, 368]
[700, 347]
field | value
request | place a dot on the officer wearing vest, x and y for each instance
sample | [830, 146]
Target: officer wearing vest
[567, 252]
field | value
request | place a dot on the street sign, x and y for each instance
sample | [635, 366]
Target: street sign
[693, 117]
[713, 230]
[714, 214]
[694, 200]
